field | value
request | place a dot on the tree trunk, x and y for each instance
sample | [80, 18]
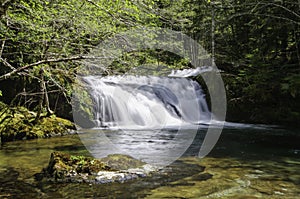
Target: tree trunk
[41, 100]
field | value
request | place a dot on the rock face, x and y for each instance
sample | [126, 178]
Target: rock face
[114, 168]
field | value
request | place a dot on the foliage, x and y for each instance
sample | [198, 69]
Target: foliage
[33, 31]
[254, 42]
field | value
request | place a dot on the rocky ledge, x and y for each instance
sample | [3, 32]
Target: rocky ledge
[63, 167]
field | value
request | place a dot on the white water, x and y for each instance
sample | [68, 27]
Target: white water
[192, 72]
[147, 102]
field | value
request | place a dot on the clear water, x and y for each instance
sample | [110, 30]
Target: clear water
[249, 161]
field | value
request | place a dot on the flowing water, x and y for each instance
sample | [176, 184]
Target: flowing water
[161, 120]
[146, 101]
[248, 161]
[151, 108]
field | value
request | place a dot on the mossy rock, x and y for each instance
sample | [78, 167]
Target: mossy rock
[70, 168]
[14, 126]
[17, 123]
[122, 162]
[50, 126]
[62, 165]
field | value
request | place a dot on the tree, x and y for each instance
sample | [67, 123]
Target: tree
[255, 44]
[50, 36]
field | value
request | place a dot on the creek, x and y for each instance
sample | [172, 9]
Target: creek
[248, 161]
[162, 121]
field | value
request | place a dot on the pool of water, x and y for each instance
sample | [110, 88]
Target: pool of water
[248, 161]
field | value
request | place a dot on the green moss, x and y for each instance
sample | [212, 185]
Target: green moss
[62, 165]
[49, 126]
[17, 123]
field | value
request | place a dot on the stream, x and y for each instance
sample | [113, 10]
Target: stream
[248, 161]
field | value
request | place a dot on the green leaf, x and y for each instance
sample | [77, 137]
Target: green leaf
[285, 86]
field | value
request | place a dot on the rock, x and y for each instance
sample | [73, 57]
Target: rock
[12, 186]
[18, 123]
[64, 165]
[109, 176]
[202, 176]
[52, 126]
[122, 162]
[68, 168]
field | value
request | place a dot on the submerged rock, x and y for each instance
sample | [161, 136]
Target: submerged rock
[122, 162]
[12, 186]
[114, 168]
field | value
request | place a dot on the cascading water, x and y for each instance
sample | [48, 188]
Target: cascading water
[146, 101]
[151, 118]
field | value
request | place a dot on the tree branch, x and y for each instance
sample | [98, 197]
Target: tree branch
[3, 60]
[7, 64]
[16, 70]
[2, 47]
[284, 8]
[106, 11]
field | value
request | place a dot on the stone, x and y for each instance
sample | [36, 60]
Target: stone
[18, 123]
[64, 167]
[122, 162]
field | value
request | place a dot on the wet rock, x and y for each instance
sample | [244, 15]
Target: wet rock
[12, 187]
[202, 176]
[122, 162]
[68, 168]
[63, 165]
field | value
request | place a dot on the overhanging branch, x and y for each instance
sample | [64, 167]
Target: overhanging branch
[16, 70]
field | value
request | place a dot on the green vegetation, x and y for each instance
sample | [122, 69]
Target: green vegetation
[254, 43]
[19, 123]
[62, 165]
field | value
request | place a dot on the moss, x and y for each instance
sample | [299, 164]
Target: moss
[62, 165]
[17, 123]
[50, 126]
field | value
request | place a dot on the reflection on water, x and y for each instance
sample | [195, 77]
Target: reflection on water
[246, 163]
[156, 147]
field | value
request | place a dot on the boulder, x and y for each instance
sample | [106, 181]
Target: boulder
[64, 167]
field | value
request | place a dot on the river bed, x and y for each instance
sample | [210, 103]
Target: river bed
[249, 161]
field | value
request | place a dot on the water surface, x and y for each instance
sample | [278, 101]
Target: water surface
[247, 162]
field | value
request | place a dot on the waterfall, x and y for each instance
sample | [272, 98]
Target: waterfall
[146, 101]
